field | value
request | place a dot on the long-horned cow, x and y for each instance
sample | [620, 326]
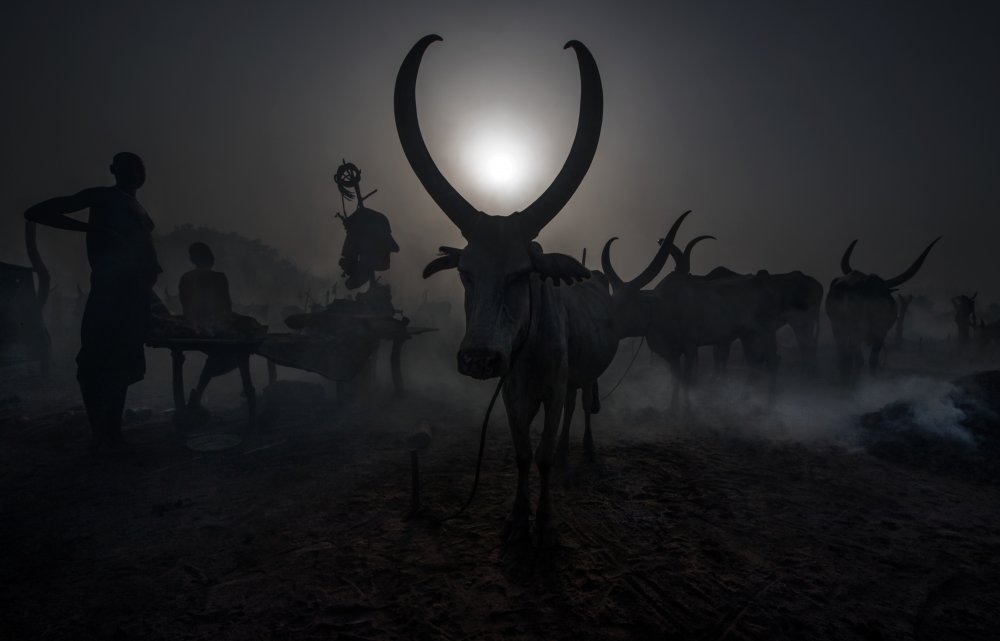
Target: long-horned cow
[647, 313]
[798, 298]
[685, 312]
[862, 310]
[546, 340]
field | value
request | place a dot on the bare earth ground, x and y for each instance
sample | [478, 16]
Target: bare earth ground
[680, 531]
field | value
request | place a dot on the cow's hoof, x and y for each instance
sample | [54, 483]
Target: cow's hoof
[516, 530]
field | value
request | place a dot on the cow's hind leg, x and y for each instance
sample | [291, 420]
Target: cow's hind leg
[676, 380]
[520, 411]
[544, 533]
[563, 450]
[873, 358]
[720, 354]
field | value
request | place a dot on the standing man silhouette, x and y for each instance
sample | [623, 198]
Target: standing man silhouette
[123, 270]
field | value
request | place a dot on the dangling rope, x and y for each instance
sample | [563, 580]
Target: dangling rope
[627, 369]
[489, 411]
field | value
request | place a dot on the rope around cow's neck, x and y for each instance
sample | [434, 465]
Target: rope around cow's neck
[489, 412]
[627, 369]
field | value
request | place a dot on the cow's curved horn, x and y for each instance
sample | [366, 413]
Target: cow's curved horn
[609, 271]
[684, 266]
[914, 268]
[845, 260]
[405, 104]
[588, 132]
[660, 259]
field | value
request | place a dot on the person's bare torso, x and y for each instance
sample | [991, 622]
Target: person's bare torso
[120, 242]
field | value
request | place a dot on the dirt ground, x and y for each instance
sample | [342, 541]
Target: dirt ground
[683, 529]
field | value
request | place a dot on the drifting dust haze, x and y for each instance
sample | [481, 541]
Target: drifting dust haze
[306, 508]
[807, 408]
[789, 133]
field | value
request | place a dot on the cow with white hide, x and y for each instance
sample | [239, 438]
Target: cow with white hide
[545, 340]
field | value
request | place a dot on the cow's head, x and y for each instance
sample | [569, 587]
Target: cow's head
[632, 315]
[497, 264]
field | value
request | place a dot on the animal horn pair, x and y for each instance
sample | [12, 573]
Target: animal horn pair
[845, 264]
[539, 213]
[654, 267]
[683, 260]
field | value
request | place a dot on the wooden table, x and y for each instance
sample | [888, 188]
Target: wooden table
[337, 356]
[241, 349]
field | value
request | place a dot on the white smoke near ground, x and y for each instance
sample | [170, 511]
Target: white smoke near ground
[805, 408]
[930, 405]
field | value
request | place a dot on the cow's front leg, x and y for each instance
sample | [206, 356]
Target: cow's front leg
[689, 363]
[544, 534]
[771, 360]
[520, 410]
[563, 450]
[589, 405]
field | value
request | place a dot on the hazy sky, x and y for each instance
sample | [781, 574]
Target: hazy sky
[789, 130]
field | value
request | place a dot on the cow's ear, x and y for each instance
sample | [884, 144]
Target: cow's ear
[558, 267]
[447, 260]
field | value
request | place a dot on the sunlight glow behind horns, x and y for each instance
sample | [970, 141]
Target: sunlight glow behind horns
[498, 162]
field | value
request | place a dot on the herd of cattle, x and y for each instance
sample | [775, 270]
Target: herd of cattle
[548, 326]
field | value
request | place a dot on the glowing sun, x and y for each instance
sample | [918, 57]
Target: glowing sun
[498, 161]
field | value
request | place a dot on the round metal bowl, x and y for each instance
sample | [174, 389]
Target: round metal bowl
[213, 442]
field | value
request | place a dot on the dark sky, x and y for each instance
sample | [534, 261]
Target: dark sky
[789, 130]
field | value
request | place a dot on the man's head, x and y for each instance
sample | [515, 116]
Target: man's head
[201, 255]
[128, 169]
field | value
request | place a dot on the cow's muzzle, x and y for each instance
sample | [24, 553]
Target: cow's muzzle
[481, 363]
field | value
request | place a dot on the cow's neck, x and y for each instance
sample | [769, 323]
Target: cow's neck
[529, 334]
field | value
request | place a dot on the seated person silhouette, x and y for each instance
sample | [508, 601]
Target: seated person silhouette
[206, 305]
